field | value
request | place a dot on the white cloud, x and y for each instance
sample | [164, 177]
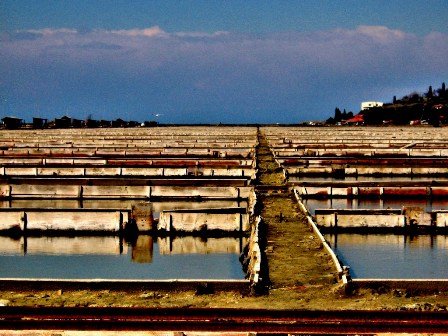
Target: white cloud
[49, 31]
[201, 34]
[147, 32]
[382, 34]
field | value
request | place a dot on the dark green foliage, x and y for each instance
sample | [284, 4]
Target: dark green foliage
[431, 106]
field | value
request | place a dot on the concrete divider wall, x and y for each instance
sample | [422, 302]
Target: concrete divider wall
[367, 171]
[63, 220]
[13, 220]
[146, 171]
[45, 191]
[369, 192]
[126, 171]
[5, 191]
[205, 192]
[116, 191]
[254, 255]
[61, 191]
[189, 221]
[442, 220]
[94, 221]
[381, 218]
[337, 220]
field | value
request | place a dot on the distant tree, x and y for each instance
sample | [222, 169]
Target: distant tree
[414, 97]
[429, 94]
[395, 100]
[350, 115]
[337, 114]
[330, 121]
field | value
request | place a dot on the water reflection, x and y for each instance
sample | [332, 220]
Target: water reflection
[389, 256]
[112, 257]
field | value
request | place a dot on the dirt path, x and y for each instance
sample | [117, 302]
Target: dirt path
[295, 256]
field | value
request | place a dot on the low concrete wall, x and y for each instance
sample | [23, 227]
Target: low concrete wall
[230, 220]
[105, 220]
[367, 171]
[339, 219]
[70, 191]
[116, 191]
[372, 192]
[127, 171]
[253, 259]
[203, 192]
[381, 218]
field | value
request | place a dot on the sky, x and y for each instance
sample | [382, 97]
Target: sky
[210, 61]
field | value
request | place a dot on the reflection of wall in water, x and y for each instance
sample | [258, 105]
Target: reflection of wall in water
[142, 250]
[102, 245]
[189, 244]
[398, 240]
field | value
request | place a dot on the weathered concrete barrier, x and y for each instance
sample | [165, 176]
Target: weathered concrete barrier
[89, 220]
[335, 218]
[230, 220]
[410, 217]
[75, 191]
[367, 171]
[142, 216]
[252, 258]
[202, 192]
[71, 170]
[411, 191]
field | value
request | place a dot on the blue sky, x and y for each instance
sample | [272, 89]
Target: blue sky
[216, 61]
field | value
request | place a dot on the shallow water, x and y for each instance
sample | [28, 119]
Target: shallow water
[390, 256]
[112, 258]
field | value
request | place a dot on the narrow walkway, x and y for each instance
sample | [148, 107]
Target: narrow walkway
[294, 254]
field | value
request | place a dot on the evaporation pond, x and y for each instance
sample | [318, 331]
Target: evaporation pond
[147, 258]
[390, 256]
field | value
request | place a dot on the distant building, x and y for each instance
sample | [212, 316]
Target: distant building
[12, 122]
[368, 105]
[39, 123]
[64, 122]
[356, 120]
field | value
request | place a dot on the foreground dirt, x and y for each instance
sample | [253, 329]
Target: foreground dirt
[301, 274]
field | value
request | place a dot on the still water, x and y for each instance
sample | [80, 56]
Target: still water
[388, 256]
[147, 258]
